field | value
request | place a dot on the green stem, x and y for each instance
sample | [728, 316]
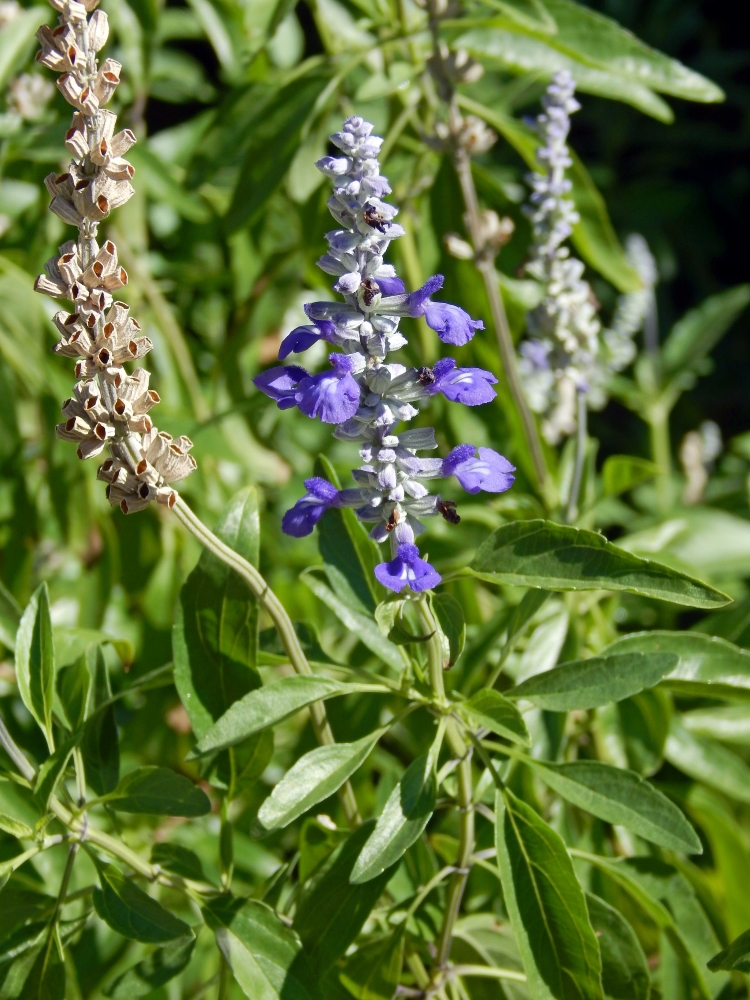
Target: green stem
[581, 439]
[658, 420]
[459, 748]
[284, 626]
[225, 978]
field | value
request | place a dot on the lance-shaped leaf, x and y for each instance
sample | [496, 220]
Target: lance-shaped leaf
[132, 912]
[179, 860]
[46, 980]
[488, 708]
[374, 970]
[99, 742]
[265, 707]
[625, 974]
[404, 817]
[215, 638]
[314, 777]
[546, 906]
[333, 909]
[144, 977]
[158, 791]
[553, 556]
[590, 683]
[708, 762]
[264, 954]
[362, 625]
[735, 957]
[699, 330]
[450, 618]
[35, 660]
[707, 667]
[52, 770]
[620, 796]
[621, 473]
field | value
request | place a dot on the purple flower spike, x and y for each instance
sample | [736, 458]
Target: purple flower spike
[391, 286]
[471, 386]
[452, 324]
[489, 472]
[281, 384]
[304, 337]
[332, 396]
[408, 569]
[302, 518]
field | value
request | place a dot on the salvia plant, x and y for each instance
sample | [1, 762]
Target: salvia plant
[484, 742]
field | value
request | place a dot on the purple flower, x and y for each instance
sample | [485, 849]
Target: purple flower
[333, 396]
[471, 386]
[391, 286]
[281, 384]
[305, 336]
[452, 324]
[490, 471]
[302, 518]
[407, 568]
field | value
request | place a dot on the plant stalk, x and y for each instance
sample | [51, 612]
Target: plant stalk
[658, 421]
[486, 267]
[459, 748]
[581, 440]
[283, 623]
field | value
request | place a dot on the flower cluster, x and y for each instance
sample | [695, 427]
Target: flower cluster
[364, 397]
[567, 353]
[109, 407]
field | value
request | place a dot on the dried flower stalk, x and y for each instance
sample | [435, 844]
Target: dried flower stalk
[109, 408]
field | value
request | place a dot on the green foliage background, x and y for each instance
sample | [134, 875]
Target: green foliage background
[232, 101]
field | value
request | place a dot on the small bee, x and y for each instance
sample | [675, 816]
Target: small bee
[393, 520]
[368, 290]
[373, 218]
[426, 376]
[447, 508]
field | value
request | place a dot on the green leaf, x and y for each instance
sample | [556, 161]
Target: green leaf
[488, 708]
[524, 55]
[264, 954]
[593, 236]
[625, 974]
[528, 13]
[622, 797]
[333, 909]
[598, 40]
[584, 684]
[735, 957]
[700, 329]
[348, 552]
[728, 723]
[99, 742]
[52, 770]
[73, 687]
[72, 643]
[450, 617]
[273, 142]
[374, 970]
[249, 761]
[708, 762]
[35, 661]
[644, 724]
[144, 977]
[10, 618]
[215, 638]
[621, 473]
[312, 778]
[362, 625]
[405, 815]
[46, 981]
[266, 706]
[132, 912]
[557, 557]
[179, 860]
[158, 791]
[15, 827]
[708, 667]
[546, 906]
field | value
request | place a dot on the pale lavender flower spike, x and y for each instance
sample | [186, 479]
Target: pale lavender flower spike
[364, 397]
